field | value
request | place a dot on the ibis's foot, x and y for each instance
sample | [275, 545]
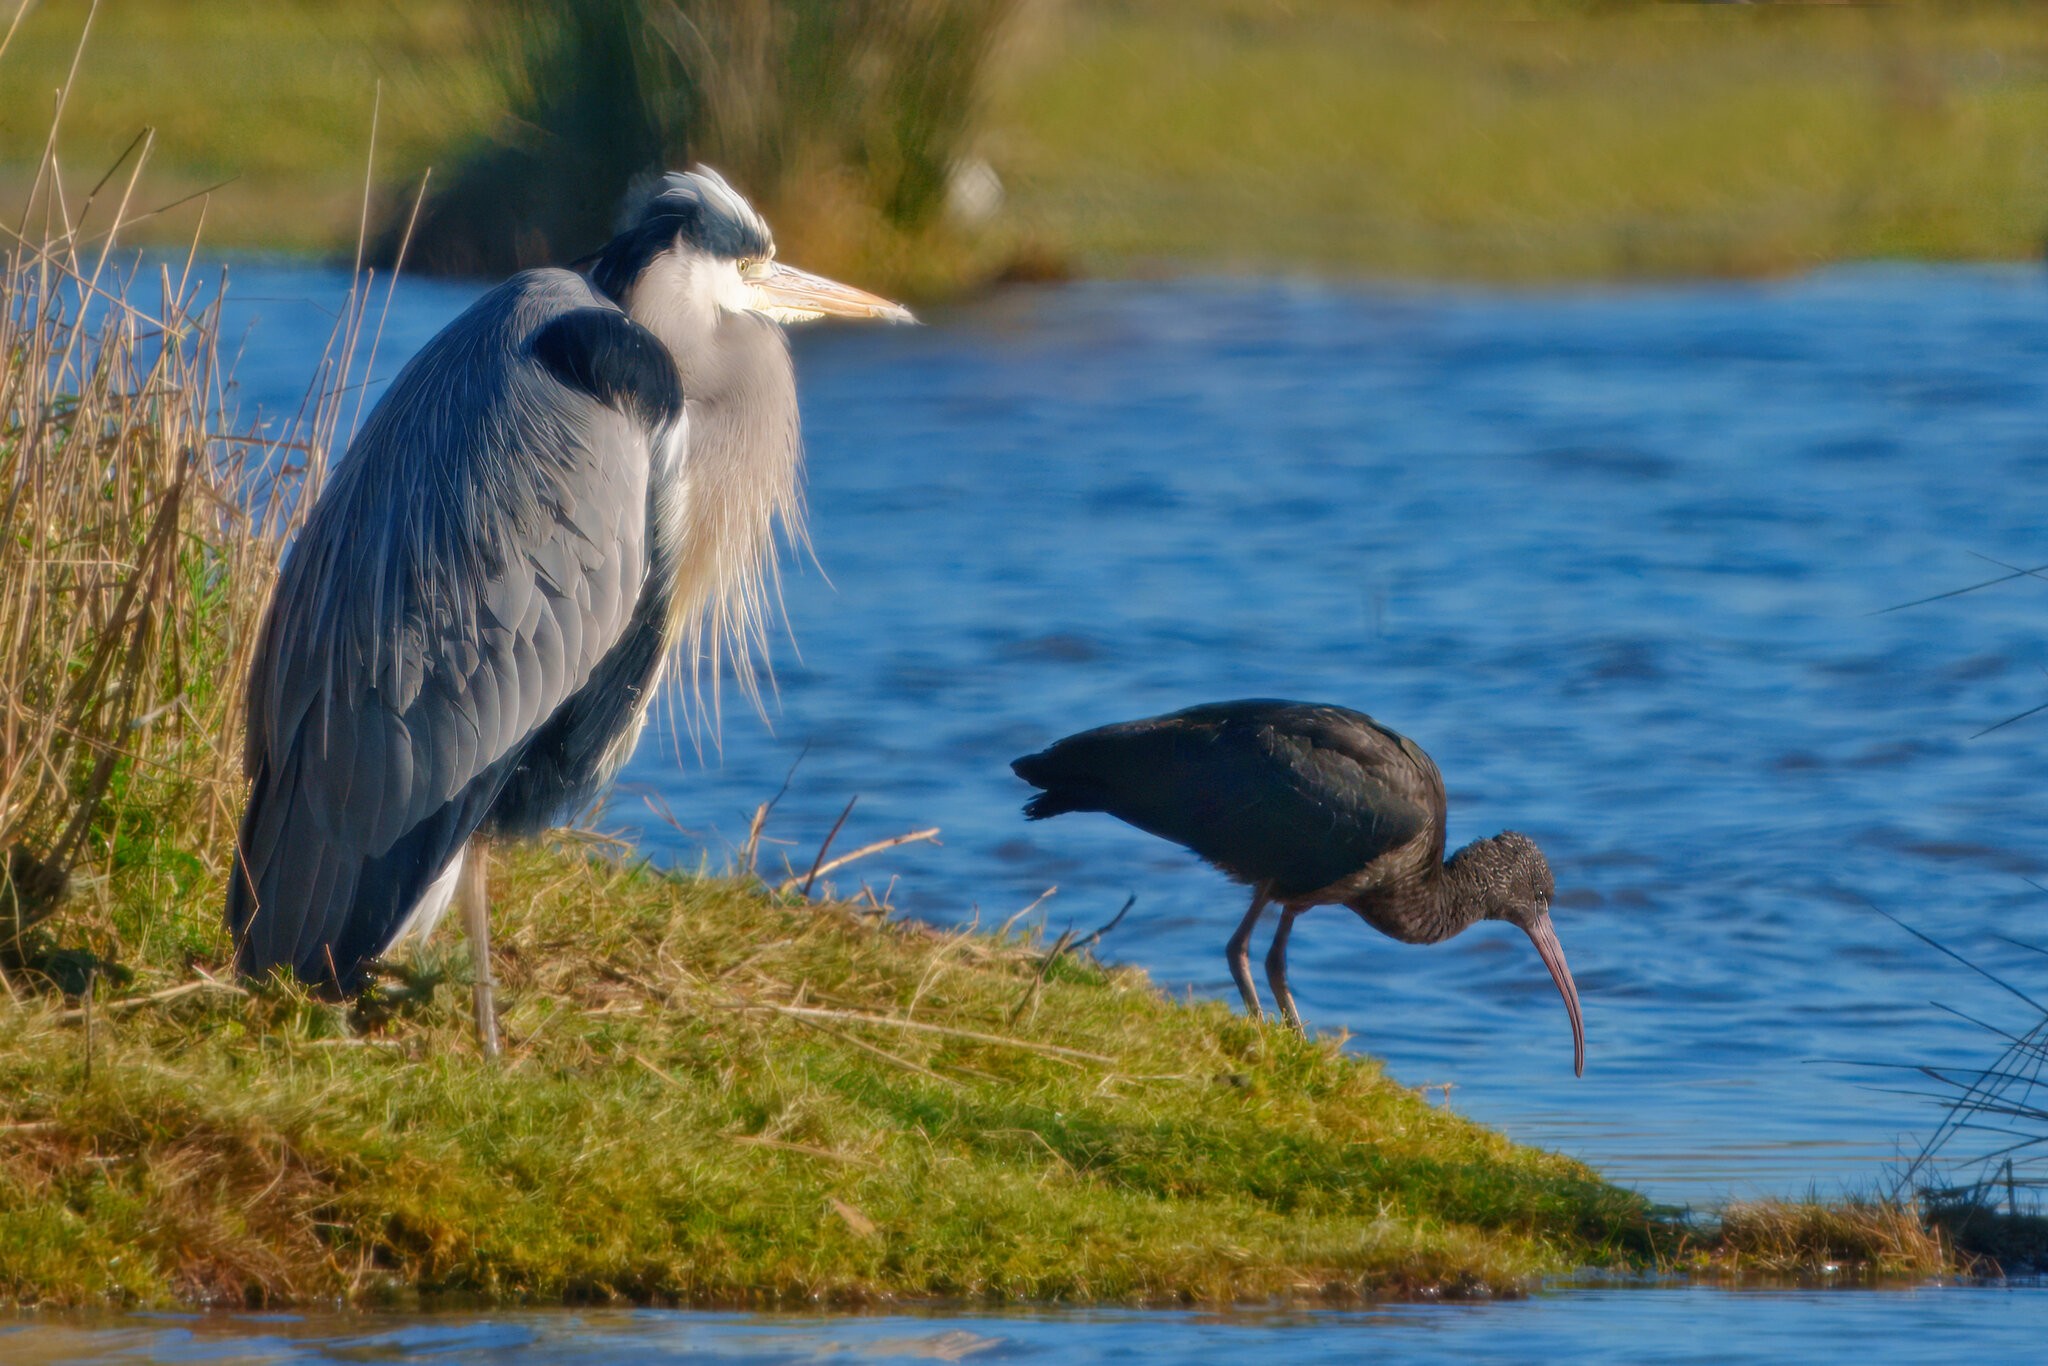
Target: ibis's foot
[1238, 951]
[1241, 973]
[476, 924]
[1292, 1016]
[1276, 970]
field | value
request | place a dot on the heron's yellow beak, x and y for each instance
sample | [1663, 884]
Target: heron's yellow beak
[789, 295]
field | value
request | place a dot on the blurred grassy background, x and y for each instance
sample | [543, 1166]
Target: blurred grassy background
[272, 95]
[1465, 139]
[846, 124]
[1535, 140]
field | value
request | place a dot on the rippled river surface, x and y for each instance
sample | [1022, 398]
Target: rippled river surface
[1635, 1325]
[1617, 557]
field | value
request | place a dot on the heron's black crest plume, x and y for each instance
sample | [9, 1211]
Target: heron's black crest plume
[696, 207]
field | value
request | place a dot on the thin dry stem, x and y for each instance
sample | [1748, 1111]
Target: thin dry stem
[866, 850]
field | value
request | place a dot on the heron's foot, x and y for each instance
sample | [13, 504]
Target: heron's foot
[396, 990]
[476, 924]
[486, 1018]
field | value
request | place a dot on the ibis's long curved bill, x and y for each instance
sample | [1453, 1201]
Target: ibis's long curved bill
[1553, 958]
[789, 295]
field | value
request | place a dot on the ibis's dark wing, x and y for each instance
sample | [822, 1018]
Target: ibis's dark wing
[479, 557]
[1290, 793]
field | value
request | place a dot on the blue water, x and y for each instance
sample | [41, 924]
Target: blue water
[1617, 557]
[1634, 1325]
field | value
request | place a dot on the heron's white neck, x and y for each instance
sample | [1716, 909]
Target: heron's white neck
[681, 297]
[739, 473]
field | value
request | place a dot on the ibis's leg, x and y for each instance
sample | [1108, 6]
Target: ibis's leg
[1238, 950]
[476, 923]
[1276, 970]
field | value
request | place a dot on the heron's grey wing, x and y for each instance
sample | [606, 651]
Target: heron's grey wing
[477, 557]
[1274, 792]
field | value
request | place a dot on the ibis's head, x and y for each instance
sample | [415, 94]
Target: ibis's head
[1513, 883]
[690, 251]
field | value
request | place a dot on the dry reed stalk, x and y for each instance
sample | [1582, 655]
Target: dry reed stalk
[820, 869]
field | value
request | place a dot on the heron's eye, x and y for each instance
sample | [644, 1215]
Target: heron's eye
[754, 268]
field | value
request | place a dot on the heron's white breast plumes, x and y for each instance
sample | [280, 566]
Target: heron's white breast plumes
[736, 480]
[728, 582]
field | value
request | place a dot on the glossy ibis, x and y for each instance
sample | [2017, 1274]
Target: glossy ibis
[1308, 805]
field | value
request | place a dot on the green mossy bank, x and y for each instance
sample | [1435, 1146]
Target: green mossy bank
[714, 1094]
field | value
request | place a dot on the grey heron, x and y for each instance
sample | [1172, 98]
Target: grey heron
[1308, 805]
[569, 481]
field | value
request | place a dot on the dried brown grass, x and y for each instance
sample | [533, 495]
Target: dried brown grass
[1855, 1237]
[122, 531]
[141, 539]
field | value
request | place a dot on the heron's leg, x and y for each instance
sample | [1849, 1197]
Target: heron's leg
[476, 923]
[1276, 969]
[1238, 951]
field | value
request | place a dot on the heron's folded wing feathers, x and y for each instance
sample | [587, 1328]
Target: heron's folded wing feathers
[477, 554]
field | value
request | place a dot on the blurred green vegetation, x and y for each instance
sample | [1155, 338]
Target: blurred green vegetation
[842, 122]
[274, 96]
[1498, 140]
[1533, 140]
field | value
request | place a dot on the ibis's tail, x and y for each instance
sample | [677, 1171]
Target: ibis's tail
[1064, 790]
